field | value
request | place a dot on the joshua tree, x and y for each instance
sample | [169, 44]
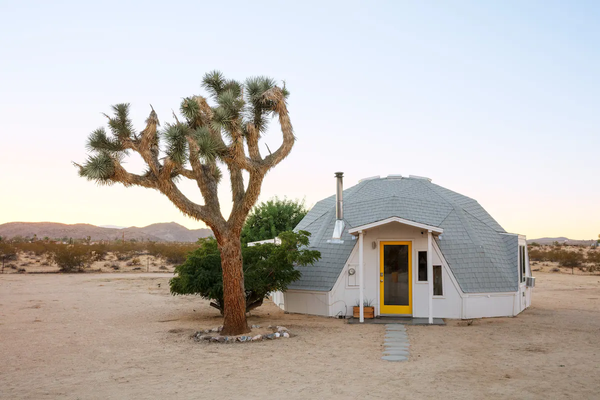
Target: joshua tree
[207, 138]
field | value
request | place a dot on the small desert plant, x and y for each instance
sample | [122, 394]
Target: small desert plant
[366, 303]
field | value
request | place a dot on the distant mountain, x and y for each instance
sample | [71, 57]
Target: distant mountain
[170, 232]
[562, 240]
[112, 226]
[167, 232]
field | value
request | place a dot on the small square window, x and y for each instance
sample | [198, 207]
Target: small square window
[422, 273]
[437, 281]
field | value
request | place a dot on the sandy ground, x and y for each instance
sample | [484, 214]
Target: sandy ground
[122, 336]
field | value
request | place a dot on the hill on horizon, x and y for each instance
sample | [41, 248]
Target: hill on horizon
[561, 240]
[159, 232]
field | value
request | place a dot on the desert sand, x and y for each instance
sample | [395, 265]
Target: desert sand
[122, 336]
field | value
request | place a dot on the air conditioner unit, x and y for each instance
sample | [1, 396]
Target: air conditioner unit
[529, 281]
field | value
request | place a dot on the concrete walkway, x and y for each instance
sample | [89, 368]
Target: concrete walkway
[395, 343]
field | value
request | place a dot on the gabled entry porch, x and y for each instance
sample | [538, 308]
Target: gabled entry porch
[396, 267]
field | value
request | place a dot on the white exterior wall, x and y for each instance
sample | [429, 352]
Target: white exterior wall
[305, 302]
[525, 292]
[453, 304]
[343, 296]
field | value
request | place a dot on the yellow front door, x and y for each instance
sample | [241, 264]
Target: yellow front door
[395, 277]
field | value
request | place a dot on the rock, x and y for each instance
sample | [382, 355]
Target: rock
[270, 336]
[281, 329]
[257, 338]
[214, 330]
[220, 328]
[243, 338]
[277, 334]
[203, 337]
[285, 335]
[255, 326]
[214, 339]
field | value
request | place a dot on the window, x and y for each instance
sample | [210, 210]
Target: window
[437, 281]
[522, 264]
[422, 275]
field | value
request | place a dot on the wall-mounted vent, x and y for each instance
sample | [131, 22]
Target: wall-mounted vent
[530, 281]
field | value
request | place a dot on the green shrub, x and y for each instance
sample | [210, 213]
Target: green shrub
[8, 252]
[267, 268]
[270, 218]
[71, 258]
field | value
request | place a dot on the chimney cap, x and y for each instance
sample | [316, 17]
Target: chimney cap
[339, 174]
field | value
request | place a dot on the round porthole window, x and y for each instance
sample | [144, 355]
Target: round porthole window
[351, 271]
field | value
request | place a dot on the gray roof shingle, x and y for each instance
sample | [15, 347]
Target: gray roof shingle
[481, 255]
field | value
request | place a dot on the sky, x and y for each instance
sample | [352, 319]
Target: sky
[498, 101]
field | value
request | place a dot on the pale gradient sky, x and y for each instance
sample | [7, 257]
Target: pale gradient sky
[498, 101]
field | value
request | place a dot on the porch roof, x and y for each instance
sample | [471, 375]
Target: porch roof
[434, 229]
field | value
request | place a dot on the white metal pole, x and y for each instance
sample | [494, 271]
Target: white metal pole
[430, 273]
[361, 281]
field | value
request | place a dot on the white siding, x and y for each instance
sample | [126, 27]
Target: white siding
[302, 302]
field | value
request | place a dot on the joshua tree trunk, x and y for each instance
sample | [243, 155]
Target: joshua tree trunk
[234, 295]
[196, 149]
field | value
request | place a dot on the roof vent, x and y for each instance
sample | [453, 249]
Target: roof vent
[338, 229]
[394, 176]
[419, 177]
[369, 178]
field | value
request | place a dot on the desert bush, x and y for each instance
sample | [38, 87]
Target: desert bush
[21, 270]
[267, 268]
[123, 250]
[70, 258]
[593, 257]
[565, 258]
[7, 251]
[173, 253]
[570, 259]
[98, 251]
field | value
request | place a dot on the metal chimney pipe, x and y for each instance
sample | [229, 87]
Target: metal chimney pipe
[339, 200]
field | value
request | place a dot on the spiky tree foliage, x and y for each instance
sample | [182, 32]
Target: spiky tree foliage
[208, 138]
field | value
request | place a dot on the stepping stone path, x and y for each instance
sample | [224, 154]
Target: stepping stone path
[395, 343]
